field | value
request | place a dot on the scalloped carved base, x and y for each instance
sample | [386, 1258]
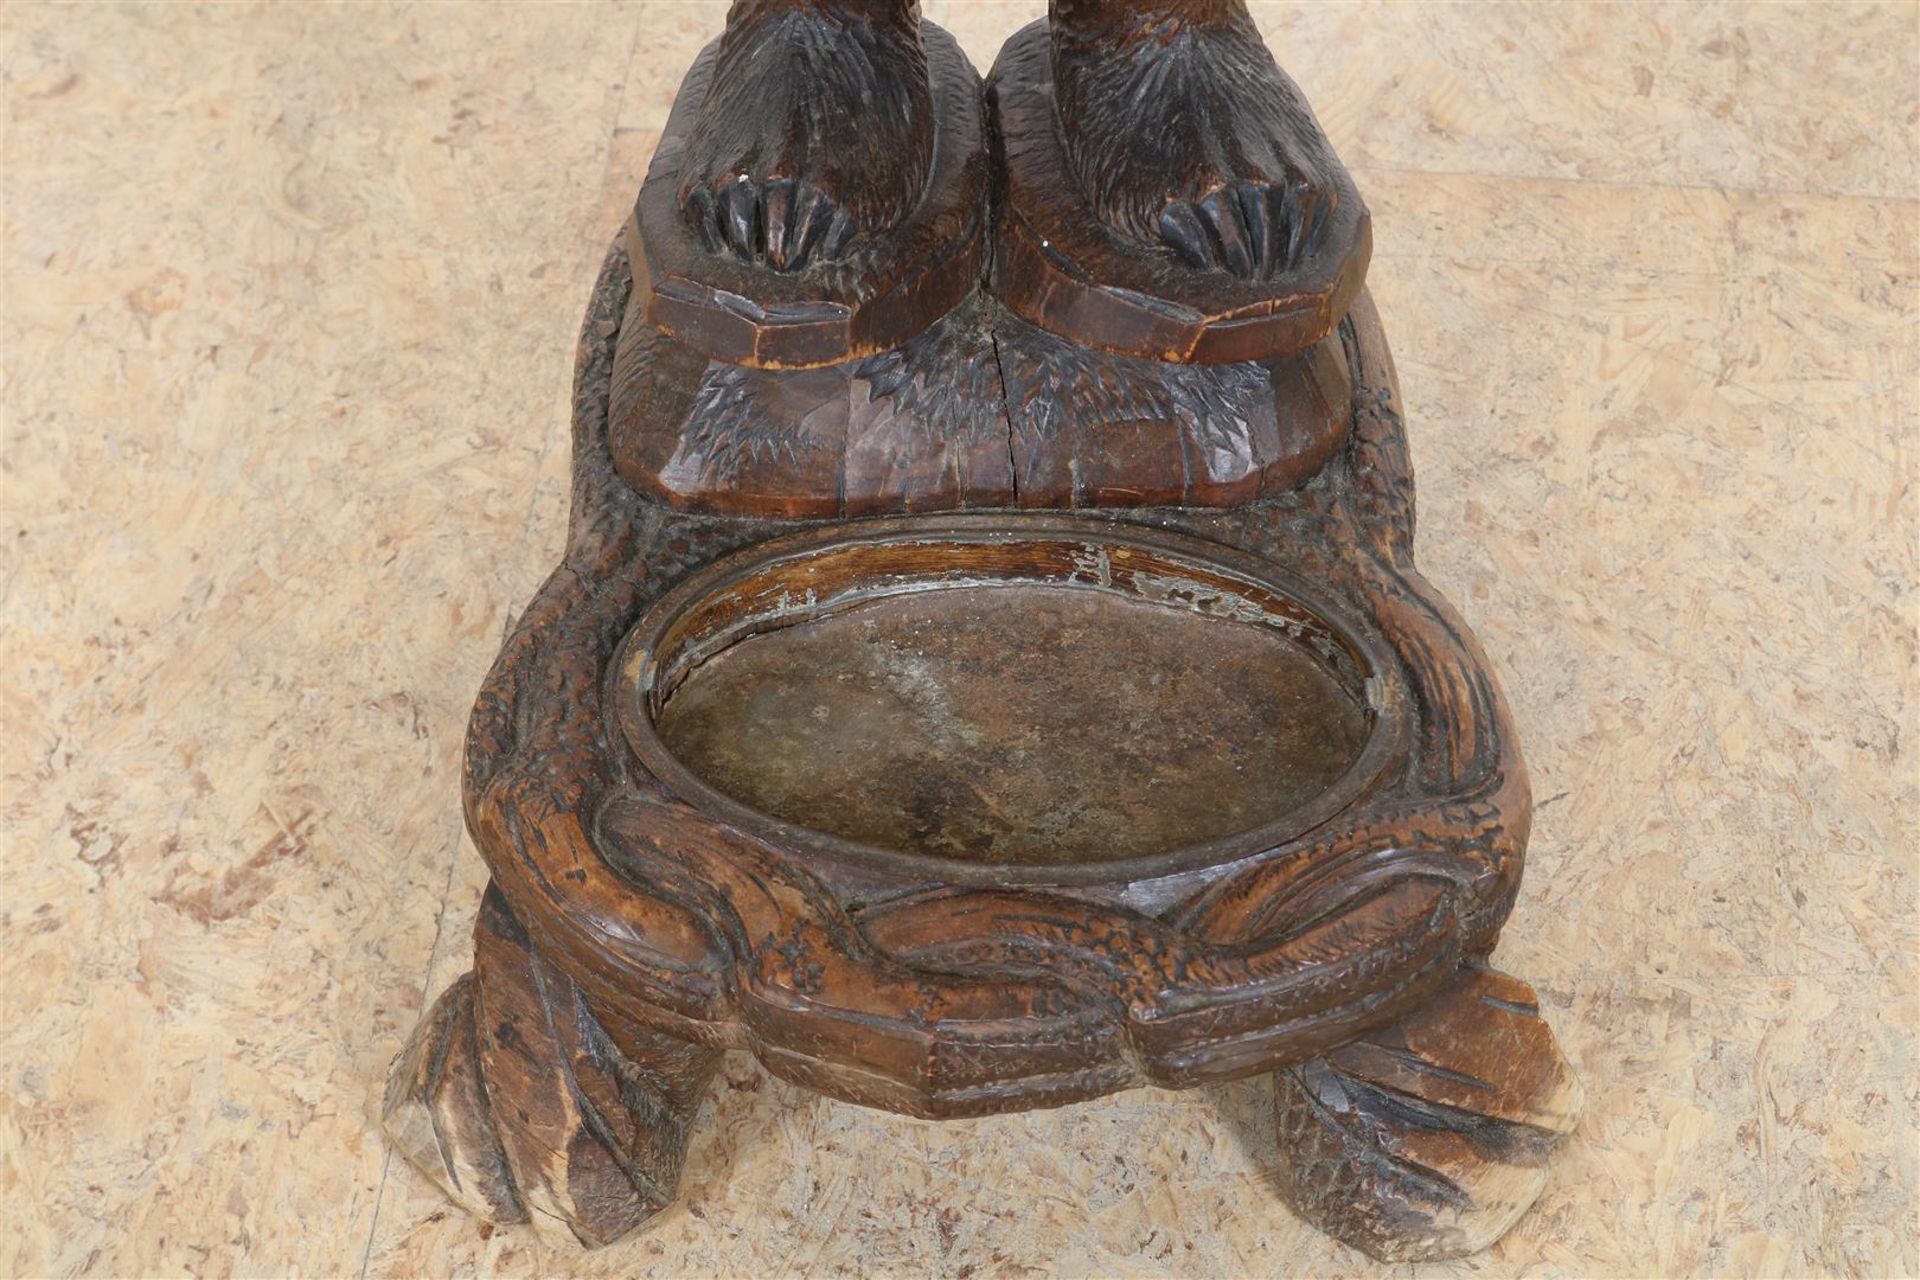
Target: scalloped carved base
[1430, 1138]
[520, 1102]
[1427, 1139]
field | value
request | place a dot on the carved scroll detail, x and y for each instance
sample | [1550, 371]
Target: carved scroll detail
[1430, 1138]
[520, 1102]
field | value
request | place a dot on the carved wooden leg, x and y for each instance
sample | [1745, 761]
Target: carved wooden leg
[520, 1102]
[1430, 1138]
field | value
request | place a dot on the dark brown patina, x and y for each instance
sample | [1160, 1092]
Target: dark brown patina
[1155, 760]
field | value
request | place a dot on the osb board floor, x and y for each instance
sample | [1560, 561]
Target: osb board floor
[290, 300]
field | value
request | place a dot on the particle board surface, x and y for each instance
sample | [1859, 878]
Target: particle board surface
[290, 295]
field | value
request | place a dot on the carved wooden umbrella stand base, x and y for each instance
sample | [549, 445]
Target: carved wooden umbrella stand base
[972, 687]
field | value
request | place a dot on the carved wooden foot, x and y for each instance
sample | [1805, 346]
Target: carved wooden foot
[818, 125]
[784, 226]
[1165, 191]
[1182, 131]
[520, 1102]
[1430, 1138]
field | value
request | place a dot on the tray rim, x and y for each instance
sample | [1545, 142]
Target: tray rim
[636, 666]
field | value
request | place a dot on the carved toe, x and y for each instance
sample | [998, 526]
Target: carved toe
[780, 224]
[1249, 229]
